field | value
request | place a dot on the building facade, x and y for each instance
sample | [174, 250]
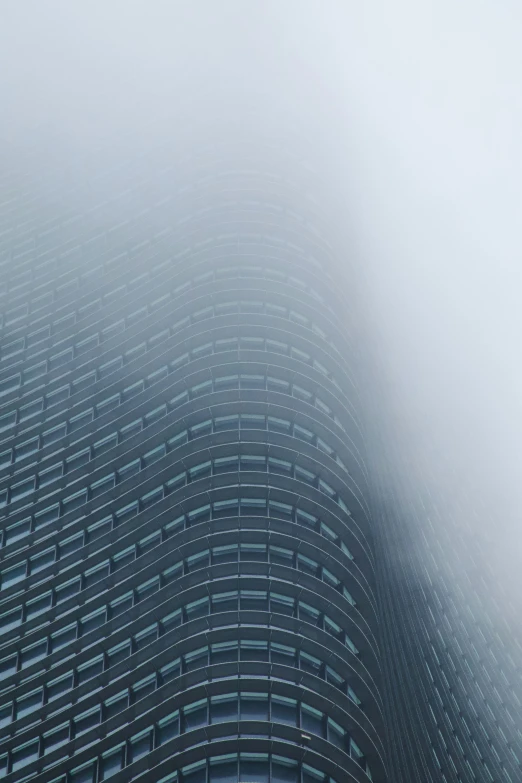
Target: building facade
[194, 577]
[188, 575]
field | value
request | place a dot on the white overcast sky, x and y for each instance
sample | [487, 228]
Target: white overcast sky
[421, 104]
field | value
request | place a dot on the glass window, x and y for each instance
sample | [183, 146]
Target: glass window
[74, 501]
[280, 510]
[280, 466]
[226, 423]
[225, 508]
[57, 688]
[90, 669]
[306, 476]
[51, 474]
[252, 421]
[86, 380]
[129, 470]
[7, 665]
[195, 659]
[195, 715]
[311, 775]
[307, 565]
[226, 464]
[175, 526]
[281, 556]
[254, 767]
[120, 605]
[254, 600]
[281, 653]
[282, 604]
[98, 529]
[20, 530]
[169, 727]
[257, 552]
[174, 572]
[223, 708]
[38, 605]
[302, 394]
[197, 609]
[177, 440]
[303, 434]
[276, 347]
[131, 429]
[146, 589]
[203, 428]
[143, 688]
[111, 762]
[13, 575]
[306, 519]
[179, 361]
[278, 425]
[284, 770]
[252, 650]
[22, 489]
[226, 382]
[197, 515]
[102, 485]
[332, 628]
[26, 449]
[284, 710]
[309, 614]
[86, 721]
[176, 482]
[202, 350]
[92, 622]
[36, 652]
[140, 745]
[151, 497]
[149, 542]
[63, 637]
[24, 755]
[155, 415]
[253, 381]
[310, 663]
[28, 704]
[226, 308]
[152, 456]
[83, 774]
[223, 769]
[202, 470]
[327, 532]
[172, 669]
[332, 580]
[195, 773]
[145, 637]
[312, 720]
[199, 560]
[108, 404]
[225, 602]
[5, 458]
[224, 652]
[46, 516]
[103, 445]
[157, 375]
[56, 738]
[253, 706]
[253, 506]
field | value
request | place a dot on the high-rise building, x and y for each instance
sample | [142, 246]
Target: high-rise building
[194, 549]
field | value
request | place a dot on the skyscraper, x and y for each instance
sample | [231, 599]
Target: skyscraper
[194, 584]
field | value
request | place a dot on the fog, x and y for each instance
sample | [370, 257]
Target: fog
[413, 111]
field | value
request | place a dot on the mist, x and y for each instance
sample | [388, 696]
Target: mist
[412, 111]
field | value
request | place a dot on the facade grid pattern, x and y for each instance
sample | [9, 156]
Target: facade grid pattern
[199, 521]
